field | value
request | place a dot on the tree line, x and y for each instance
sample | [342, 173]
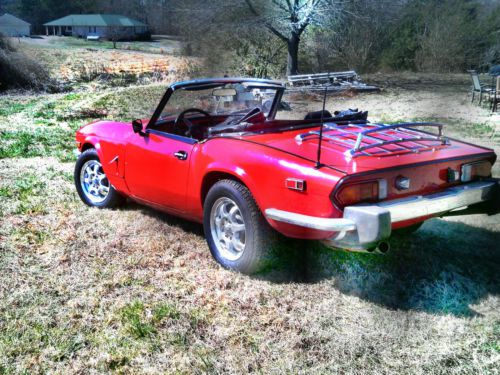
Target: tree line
[275, 37]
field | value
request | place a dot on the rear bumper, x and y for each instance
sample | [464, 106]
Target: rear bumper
[364, 225]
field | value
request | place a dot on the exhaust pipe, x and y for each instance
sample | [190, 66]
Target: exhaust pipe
[383, 247]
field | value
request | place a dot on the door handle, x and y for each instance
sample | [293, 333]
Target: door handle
[181, 155]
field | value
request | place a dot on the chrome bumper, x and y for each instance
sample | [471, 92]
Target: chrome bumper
[364, 225]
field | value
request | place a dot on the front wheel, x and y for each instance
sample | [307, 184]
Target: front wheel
[238, 236]
[91, 183]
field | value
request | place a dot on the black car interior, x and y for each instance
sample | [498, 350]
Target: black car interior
[198, 124]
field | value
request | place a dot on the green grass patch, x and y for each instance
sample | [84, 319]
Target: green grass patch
[31, 235]
[142, 321]
[54, 121]
[69, 43]
[54, 112]
[32, 328]
[134, 319]
[24, 196]
[21, 338]
[12, 107]
[123, 104]
[26, 186]
[39, 142]
[46, 111]
[72, 97]
[165, 311]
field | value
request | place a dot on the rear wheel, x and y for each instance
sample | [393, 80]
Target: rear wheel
[238, 236]
[91, 182]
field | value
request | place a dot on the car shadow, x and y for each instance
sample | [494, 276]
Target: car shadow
[444, 268]
[185, 225]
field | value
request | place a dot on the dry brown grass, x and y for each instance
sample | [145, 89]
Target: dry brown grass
[84, 290]
[135, 291]
[75, 64]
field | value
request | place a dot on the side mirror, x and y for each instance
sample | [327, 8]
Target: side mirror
[138, 127]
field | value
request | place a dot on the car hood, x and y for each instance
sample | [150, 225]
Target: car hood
[337, 156]
[110, 130]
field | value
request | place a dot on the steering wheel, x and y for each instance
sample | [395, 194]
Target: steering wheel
[180, 119]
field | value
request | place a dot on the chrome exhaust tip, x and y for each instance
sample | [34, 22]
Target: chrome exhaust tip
[383, 247]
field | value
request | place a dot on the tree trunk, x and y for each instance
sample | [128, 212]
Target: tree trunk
[292, 66]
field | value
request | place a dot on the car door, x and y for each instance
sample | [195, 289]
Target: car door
[157, 168]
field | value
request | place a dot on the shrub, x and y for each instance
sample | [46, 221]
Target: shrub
[19, 71]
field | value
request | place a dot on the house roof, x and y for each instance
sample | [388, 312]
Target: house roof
[10, 20]
[95, 20]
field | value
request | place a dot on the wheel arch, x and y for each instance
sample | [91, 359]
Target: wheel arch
[87, 146]
[91, 142]
[212, 177]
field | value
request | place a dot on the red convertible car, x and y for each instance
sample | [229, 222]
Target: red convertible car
[214, 152]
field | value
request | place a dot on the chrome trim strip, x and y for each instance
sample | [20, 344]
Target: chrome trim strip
[400, 209]
[445, 201]
[318, 223]
[175, 137]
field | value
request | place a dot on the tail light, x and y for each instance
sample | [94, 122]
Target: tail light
[473, 171]
[369, 191]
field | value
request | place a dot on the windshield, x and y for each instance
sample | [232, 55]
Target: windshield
[226, 99]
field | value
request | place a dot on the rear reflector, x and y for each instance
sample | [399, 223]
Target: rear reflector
[295, 184]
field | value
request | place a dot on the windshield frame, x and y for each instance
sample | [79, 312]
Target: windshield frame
[205, 84]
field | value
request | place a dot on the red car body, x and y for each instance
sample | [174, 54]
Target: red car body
[277, 161]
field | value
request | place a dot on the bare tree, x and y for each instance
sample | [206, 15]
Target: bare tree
[115, 34]
[357, 39]
[288, 19]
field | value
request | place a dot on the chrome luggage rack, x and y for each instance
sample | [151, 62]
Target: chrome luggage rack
[356, 143]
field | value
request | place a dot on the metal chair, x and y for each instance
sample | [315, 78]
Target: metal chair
[477, 87]
[495, 96]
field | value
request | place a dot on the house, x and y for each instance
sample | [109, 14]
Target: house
[109, 26]
[13, 26]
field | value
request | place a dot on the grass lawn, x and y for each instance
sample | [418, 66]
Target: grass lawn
[159, 46]
[136, 291]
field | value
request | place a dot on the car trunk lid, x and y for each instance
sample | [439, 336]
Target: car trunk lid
[357, 148]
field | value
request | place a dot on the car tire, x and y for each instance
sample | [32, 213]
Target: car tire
[91, 183]
[238, 236]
